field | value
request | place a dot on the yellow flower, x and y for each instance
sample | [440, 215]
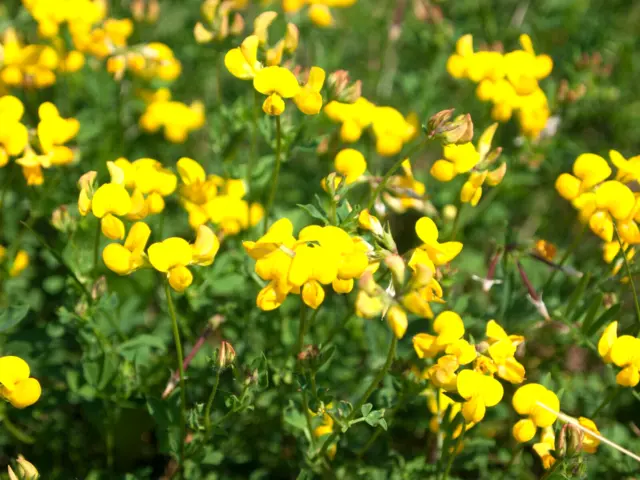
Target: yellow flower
[205, 247]
[525, 401]
[458, 63]
[355, 117]
[404, 191]
[126, 259]
[480, 391]
[351, 164]
[589, 442]
[545, 446]
[449, 329]
[368, 221]
[607, 339]
[308, 99]
[108, 202]
[443, 373]
[391, 129]
[457, 159]
[20, 263]
[14, 136]
[438, 253]
[472, 188]
[628, 170]
[320, 15]
[397, 320]
[16, 386]
[502, 349]
[625, 353]
[242, 62]
[171, 256]
[588, 171]
[54, 131]
[277, 83]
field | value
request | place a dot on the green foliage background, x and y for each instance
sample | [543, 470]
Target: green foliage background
[104, 366]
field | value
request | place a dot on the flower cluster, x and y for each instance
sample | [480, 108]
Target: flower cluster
[219, 24]
[46, 149]
[319, 12]
[273, 80]
[509, 81]
[466, 158]
[405, 295]
[624, 352]
[319, 256]
[171, 256]
[211, 198]
[136, 190]
[608, 206]
[16, 384]
[390, 128]
[176, 119]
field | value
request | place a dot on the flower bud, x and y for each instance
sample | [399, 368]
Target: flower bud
[87, 181]
[137, 10]
[397, 267]
[237, 25]
[61, 220]
[226, 355]
[99, 287]
[450, 212]
[368, 284]
[459, 131]
[153, 11]
[26, 470]
[342, 89]
[438, 121]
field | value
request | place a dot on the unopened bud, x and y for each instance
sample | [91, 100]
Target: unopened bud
[494, 177]
[86, 181]
[397, 267]
[459, 131]
[237, 25]
[137, 10]
[226, 355]
[99, 287]
[26, 470]
[437, 121]
[153, 11]
[342, 89]
[201, 34]
[368, 284]
[62, 220]
[308, 353]
[450, 212]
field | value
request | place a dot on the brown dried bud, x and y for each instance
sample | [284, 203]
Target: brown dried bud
[61, 220]
[341, 88]
[309, 352]
[438, 121]
[99, 287]
[153, 11]
[226, 355]
[459, 131]
[237, 26]
[137, 10]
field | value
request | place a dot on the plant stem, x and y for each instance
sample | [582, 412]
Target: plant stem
[207, 412]
[307, 414]
[252, 153]
[383, 183]
[564, 258]
[15, 431]
[628, 269]
[374, 383]
[183, 396]
[276, 173]
[302, 329]
[456, 222]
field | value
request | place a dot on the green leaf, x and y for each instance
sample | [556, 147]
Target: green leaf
[12, 316]
[606, 317]
[143, 341]
[366, 409]
[591, 311]
[577, 295]
[313, 211]
[294, 418]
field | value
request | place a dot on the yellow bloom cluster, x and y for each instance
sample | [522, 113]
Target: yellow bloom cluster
[175, 118]
[53, 132]
[624, 352]
[147, 61]
[78, 15]
[319, 256]
[509, 81]
[526, 402]
[19, 264]
[273, 80]
[413, 295]
[217, 14]
[606, 205]
[467, 158]
[136, 190]
[170, 257]
[390, 128]
[211, 198]
[16, 384]
[477, 385]
[319, 10]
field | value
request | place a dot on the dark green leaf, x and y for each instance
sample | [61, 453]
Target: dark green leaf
[12, 316]
[606, 317]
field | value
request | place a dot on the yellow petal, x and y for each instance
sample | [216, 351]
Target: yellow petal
[180, 278]
[26, 393]
[524, 430]
[592, 169]
[112, 227]
[312, 294]
[625, 350]
[426, 230]
[205, 247]
[273, 105]
[110, 198]
[276, 80]
[608, 338]
[397, 319]
[117, 258]
[615, 197]
[13, 370]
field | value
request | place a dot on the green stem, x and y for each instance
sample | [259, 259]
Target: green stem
[374, 383]
[628, 269]
[383, 183]
[183, 396]
[252, 154]
[456, 222]
[613, 394]
[564, 258]
[453, 454]
[207, 411]
[61, 260]
[15, 431]
[276, 173]
[302, 329]
[307, 414]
